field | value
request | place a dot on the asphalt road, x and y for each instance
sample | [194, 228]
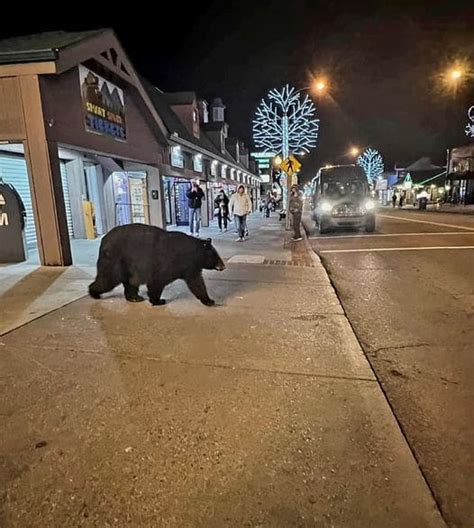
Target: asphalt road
[408, 290]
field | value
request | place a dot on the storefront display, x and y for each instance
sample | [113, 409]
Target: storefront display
[181, 203]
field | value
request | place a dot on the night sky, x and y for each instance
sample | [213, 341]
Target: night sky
[383, 61]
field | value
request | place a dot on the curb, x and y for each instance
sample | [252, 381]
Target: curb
[437, 211]
[312, 254]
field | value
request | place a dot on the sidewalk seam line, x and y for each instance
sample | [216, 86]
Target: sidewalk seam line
[237, 369]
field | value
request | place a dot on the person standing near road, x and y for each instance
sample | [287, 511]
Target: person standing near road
[240, 206]
[394, 199]
[195, 196]
[295, 206]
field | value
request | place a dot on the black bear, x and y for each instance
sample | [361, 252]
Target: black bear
[137, 254]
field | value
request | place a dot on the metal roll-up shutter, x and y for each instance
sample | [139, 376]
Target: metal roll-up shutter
[67, 201]
[13, 171]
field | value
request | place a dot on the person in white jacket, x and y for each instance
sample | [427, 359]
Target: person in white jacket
[240, 206]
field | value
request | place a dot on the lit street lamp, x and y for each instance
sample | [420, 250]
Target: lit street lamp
[354, 152]
[456, 74]
[320, 86]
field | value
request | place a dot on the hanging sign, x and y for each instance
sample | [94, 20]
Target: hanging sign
[103, 104]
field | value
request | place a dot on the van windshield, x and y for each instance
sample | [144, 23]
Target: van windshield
[340, 188]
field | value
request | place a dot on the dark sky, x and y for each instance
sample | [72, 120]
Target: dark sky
[382, 59]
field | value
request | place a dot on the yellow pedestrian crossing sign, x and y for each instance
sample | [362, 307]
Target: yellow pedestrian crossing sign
[290, 165]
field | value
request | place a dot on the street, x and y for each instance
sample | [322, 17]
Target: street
[408, 291]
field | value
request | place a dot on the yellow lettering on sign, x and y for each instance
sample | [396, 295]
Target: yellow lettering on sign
[94, 109]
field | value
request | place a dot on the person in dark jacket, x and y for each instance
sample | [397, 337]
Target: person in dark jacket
[195, 197]
[401, 199]
[295, 207]
[222, 209]
[268, 204]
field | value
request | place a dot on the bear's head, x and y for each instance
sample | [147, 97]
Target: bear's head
[212, 260]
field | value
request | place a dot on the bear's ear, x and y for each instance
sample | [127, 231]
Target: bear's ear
[208, 242]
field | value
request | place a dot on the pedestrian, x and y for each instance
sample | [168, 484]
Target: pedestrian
[394, 199]
[400, 200]
[268, 204]
[295, 206]
[240, 206]
[195, 197]
[222, 209]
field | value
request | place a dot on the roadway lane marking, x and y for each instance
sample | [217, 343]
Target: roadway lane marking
[323, 237]
[425, 222]
[370, 250]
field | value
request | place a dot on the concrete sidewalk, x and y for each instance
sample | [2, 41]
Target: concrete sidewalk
[262, 411]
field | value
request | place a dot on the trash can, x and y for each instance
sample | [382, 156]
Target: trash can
[12, 225]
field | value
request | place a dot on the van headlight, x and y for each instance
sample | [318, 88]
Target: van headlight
[369, 205]
[326, 207]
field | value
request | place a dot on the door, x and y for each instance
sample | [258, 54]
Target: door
[138, 200]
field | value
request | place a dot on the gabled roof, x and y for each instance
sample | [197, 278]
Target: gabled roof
[423, 164]
[435, 176]
[180, 98]
[174, 125]
[41, 46]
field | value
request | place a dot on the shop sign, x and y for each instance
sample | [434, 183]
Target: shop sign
[177, 157]
[407, 182]
[381, 185]
[103, 104]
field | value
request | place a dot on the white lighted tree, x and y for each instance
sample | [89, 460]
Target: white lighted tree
[470, 126]
[372, 163]
[285, 122]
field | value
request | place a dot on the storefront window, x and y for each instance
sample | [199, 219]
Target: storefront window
[181, 205]
[177, 157]
[223, 171]
[214, 168]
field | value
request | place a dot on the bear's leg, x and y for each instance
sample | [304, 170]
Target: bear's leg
[198, 289]
[155, 289]
[102, 285]
[108, 276]
[131, 292]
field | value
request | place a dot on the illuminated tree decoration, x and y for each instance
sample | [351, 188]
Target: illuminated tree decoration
[285, 122]
[470, 126]
[372, 163]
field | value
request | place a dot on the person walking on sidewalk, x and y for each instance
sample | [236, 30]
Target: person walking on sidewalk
[401, 199]
[268, 204]
[222, 209]
[295, 207]
[240, 206]
[195, 197]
